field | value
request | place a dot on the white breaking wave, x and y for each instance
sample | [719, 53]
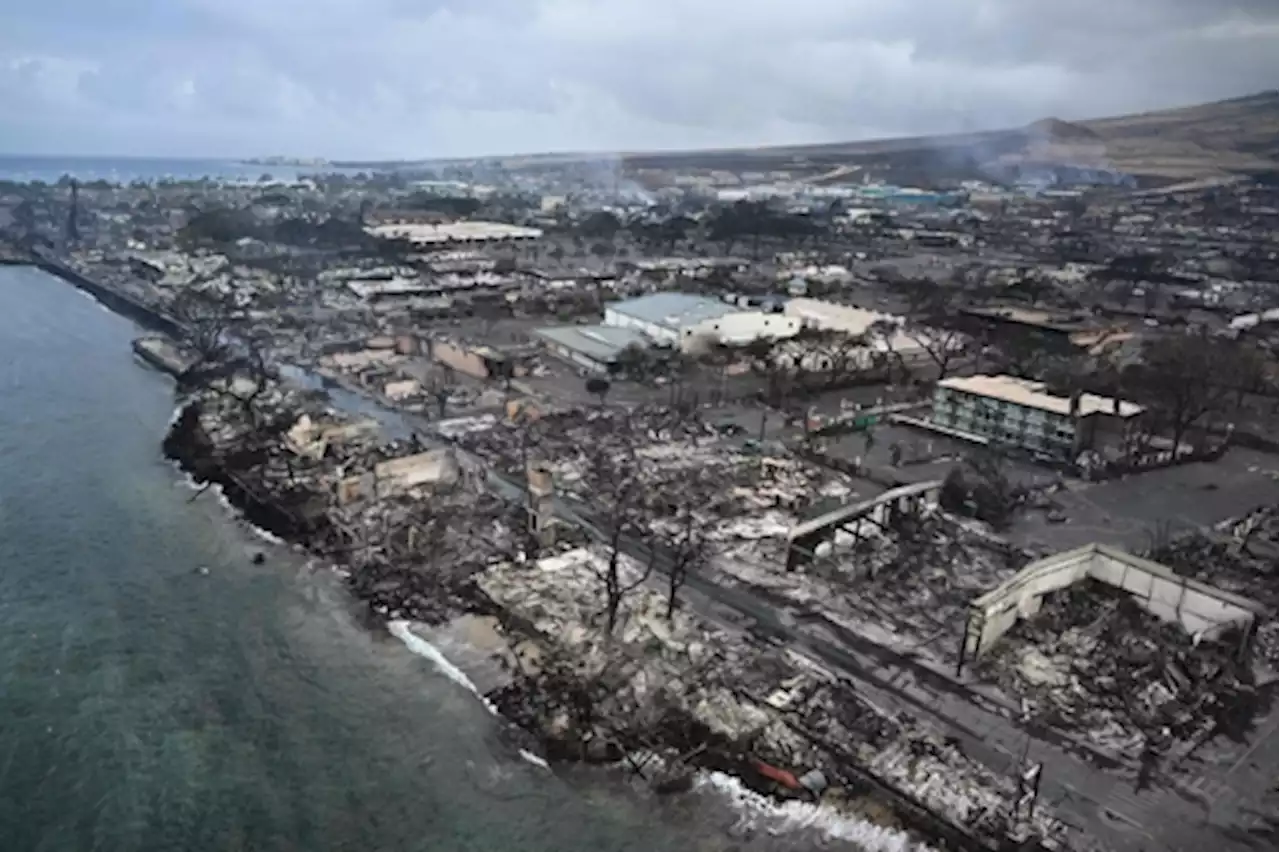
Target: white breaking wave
[402, 630]
[265, 535]
[534, 759]
[95, 300]
[783, 817]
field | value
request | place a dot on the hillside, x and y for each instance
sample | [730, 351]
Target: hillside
[1208, 140]
[1237, 135]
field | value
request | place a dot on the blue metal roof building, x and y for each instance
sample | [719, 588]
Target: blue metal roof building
[672, 310]
[662, 316]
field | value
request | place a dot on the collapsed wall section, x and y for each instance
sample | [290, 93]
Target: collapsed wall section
[1200, 609]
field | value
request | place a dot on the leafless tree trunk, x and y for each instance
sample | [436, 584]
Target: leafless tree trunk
[688, 553]
[617, 485]
[885, 333]
[616, 587]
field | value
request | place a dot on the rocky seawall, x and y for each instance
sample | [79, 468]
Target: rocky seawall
[115, 299]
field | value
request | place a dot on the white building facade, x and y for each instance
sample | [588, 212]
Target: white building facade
[691, 323]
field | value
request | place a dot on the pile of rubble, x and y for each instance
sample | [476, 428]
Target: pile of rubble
[1095, 662]
[418, 554]
[741, 499]
[1244, 565]
[1227, 564]
[676, 685]
[570, 432]
[657, 684]
[233, 433]
[899, 589]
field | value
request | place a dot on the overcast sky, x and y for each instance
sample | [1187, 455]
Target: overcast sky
[421, 78]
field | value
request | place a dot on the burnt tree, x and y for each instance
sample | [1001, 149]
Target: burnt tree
[1185, 379]
[206, 323]
[981, 488]
[689, 551]
[929, 321]
[618, 491]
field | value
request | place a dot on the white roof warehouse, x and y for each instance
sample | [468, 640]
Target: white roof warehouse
[689, 321]
[454, 233]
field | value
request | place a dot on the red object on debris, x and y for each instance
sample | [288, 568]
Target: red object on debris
[782, 776]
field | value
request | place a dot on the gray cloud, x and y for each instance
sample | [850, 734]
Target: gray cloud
[447, 77]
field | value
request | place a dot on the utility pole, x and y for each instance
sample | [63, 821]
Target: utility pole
[1028, 786]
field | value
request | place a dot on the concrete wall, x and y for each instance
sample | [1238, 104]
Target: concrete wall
[429, 468]
[401, 389]
[460, 358]
[1198, 608]
[660, 333]
[309, 438]
[578, 359]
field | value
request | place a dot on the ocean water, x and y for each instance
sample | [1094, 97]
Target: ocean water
[147, 704]
[126, 169]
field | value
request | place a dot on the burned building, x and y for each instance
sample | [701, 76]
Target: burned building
[1124, 651]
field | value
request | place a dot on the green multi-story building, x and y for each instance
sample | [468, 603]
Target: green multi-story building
[1015, 412]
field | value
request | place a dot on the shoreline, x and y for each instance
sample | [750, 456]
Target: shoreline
[264, 513]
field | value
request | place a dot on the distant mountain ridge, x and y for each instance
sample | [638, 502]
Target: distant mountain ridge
[1226, 137]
